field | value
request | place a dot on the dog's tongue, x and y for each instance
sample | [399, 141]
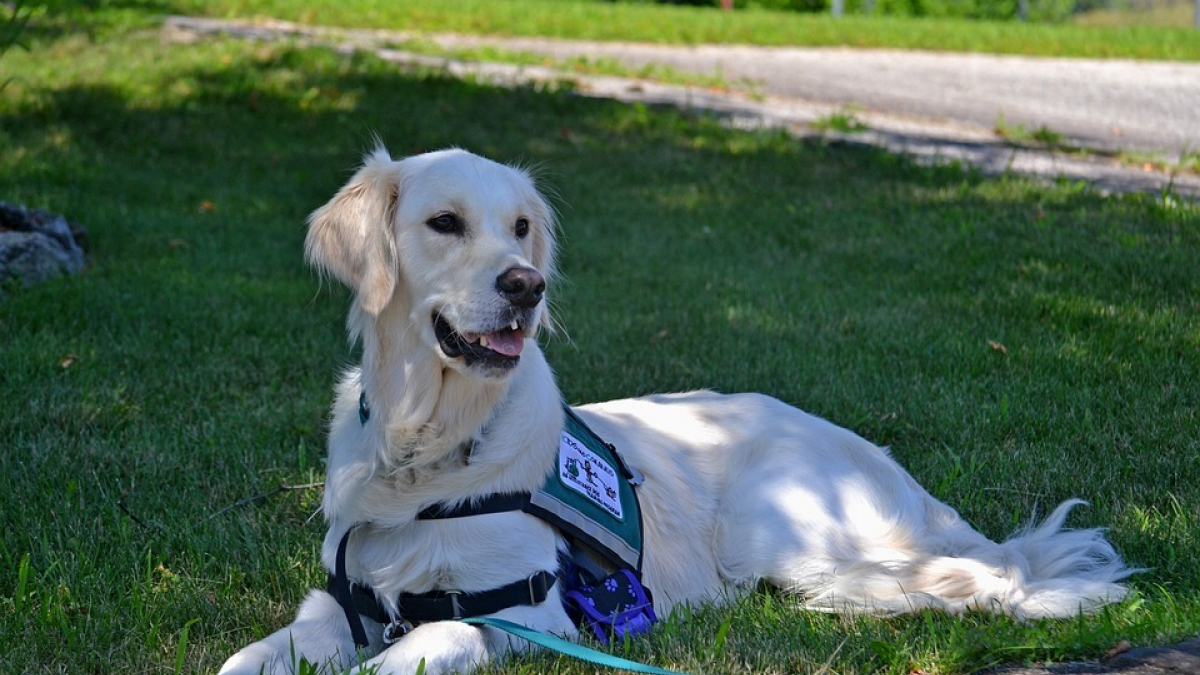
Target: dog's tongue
[506, 342]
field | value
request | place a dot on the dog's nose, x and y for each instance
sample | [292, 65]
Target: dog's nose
[523, 286]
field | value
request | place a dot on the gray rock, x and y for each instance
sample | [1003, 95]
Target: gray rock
[36, 246]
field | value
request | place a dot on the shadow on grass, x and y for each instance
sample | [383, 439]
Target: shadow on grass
[685, 236]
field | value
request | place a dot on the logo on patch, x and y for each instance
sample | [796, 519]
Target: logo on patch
[590, 475]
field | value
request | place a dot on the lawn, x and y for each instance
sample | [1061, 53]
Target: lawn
[604, 20]
[1015, 344]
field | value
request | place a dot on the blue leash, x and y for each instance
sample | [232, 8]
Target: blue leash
[569, 648]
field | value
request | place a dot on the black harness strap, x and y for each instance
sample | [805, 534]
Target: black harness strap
[339, 587]
[494, 503]
[447, 605]
[415, 608]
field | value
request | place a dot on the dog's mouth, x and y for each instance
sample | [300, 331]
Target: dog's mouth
[500, 348]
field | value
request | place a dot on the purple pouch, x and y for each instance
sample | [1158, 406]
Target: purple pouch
[616, 605]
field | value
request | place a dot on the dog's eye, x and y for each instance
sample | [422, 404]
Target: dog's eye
[522, 227]
[445, 223]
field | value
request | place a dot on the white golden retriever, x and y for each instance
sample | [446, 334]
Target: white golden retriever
[448, 255]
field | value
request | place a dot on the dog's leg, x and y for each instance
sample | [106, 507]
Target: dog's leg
[319, 635]
[827, 514]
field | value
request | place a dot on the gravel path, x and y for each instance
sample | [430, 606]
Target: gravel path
[1143, 106]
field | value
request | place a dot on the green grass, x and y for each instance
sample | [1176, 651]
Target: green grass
[601, 20]
[191, 365]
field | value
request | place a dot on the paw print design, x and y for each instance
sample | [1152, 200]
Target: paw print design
[610, 584]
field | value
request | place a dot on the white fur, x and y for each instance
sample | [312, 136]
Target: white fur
[738, 488]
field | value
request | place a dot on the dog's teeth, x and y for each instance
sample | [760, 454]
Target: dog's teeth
[483, 341]
[514, 325]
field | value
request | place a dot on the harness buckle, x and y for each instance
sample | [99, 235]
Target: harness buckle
[396, 630]
[538, 589]
[456, 608]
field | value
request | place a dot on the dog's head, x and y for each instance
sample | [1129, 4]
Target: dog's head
[461, 245]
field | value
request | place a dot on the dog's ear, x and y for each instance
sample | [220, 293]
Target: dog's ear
[544, 257]
[351, 236]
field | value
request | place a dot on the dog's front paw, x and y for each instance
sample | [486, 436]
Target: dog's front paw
[257, 659]
[444, 646]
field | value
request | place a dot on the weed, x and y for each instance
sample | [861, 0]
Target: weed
[10, 33]
[1189, 160]
[841, 122]
[1020, 134]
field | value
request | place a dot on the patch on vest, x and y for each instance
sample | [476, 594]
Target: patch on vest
[586, 473]
[588, 495]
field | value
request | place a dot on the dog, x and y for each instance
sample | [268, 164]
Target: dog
[450, 257]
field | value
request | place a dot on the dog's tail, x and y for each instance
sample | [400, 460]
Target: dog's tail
[1043, 571]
